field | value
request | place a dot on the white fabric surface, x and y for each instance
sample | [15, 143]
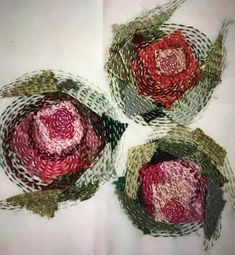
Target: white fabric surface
[73, 35]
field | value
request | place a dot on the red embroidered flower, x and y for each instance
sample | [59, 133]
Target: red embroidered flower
[60, 122]
[57, 128]
[174, 191]
[164, 69]
[56, 140]
[174, 211]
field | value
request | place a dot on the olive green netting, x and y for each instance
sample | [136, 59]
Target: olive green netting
[70, 186]
[37, 82]
[214, 207]
[47, 202]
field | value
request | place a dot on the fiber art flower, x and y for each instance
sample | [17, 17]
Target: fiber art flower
[174, 185]
[174, 191]
[161, 73]
[57, 141]
[165, 69]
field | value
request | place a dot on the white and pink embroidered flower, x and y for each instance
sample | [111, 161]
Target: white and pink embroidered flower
[170, 61]
[58, 128]
[56, 140]
[174, 191]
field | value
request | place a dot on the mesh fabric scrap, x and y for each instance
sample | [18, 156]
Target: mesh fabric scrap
[174, 185]
[160, 72]
[58, 140]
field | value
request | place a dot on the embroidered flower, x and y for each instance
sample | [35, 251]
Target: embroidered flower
[164, 69]
[58, 127]
[174, 211]
[161, 72]
[58, 140]
[173, 185]
[55, 140]
[174, 191]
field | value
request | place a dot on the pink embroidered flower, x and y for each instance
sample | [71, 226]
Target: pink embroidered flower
[55, 140]
[174, 211]
[174, 191]
[58, 128]
[164, 69]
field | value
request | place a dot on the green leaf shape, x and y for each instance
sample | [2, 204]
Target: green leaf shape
[103, 170]
[153, 19]
[195, 99]
[209, 146]
[134, 105]
[228, 172]
[137, 156]
[82, 193]
[178, 142]
[214, 60]
[92, 98]
[214, 207]
[39, 83]
[44, 202]
[114, 130]
[197, 147]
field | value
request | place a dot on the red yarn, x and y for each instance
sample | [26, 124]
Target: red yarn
[165, 69]
[174, 211]
[173, 191]
[60, 124]
[149, 176]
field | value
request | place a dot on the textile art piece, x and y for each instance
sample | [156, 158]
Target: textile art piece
[58, 140]
[174, 185]
[162, 72]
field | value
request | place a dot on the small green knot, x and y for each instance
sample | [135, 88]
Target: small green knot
[120, 183]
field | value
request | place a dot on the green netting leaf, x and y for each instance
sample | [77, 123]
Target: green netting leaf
[39, 83]
[214, 207]
[44, 203]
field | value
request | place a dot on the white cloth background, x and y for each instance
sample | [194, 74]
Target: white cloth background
[74, 35]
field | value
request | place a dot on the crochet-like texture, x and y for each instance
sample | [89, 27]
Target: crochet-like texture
[61, 141]
[163, 72]
[174, 185]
